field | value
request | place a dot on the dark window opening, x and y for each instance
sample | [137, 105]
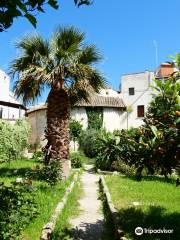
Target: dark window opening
[131, 91]
[1, 112]
[140, 111]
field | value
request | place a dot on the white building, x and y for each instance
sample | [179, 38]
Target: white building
[121, 110]
[137, 93]
[109, 101]
[10, 109]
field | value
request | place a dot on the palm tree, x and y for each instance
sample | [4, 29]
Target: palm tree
[67, 66]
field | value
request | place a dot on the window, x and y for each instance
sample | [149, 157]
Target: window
[1, 112]
[131, 91]
[140, 111]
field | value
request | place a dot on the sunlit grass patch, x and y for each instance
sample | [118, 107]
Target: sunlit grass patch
[150, 203]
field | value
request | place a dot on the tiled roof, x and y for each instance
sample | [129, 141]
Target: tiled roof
[102, 101]
[95, 101]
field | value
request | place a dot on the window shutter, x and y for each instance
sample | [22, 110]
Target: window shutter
[1, 112]
[140, 111]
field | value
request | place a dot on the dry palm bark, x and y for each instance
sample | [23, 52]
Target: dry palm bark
[57, 132]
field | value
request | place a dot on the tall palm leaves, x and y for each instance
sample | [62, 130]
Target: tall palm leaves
[64, 59]
[67, 66]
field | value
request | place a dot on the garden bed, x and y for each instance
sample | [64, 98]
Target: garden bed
[46, 197]
[152, 203]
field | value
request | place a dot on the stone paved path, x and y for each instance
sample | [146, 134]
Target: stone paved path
[89, 224]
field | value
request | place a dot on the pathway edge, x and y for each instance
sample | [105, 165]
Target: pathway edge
[119, 234]
[49, 227]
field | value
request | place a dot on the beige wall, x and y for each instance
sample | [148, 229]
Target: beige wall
[37, 120]
[113, 119]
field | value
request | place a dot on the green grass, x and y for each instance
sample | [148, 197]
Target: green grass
[159, 205]
[46, 197]
[63, 229]
[10, 171]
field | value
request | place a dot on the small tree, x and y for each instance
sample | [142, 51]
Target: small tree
[75, 130]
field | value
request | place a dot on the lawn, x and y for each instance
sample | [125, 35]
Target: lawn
[152, 203]
[46, 197]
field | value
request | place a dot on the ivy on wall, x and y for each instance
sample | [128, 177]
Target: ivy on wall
[95, 117]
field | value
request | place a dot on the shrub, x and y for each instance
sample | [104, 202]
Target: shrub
[75, 129]
[13, 139]
[38, 155]
[51, 173]
[95, 118]
[88, 142]
[108, 151]
[123, 168]
[17, 209]
[77, 159]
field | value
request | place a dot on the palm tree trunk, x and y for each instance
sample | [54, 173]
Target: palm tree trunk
[57, 132]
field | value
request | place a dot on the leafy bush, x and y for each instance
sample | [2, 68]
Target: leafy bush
[88, 142]
[13, 139]
[123, 168]
[77, 159]
[75, 129]
[51, 173]
[17, 209]
[95, 118]
[108, 151]
[38, 155]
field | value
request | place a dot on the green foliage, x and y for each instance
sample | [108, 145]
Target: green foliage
[17, 209]
[77, 159]
[108, 151]
[9, 10]
[88, 141]
[51, 173]
[77, 70]
[123, 168]
[38, 155]
[155, 146]
[75, 129]
[162, 126]
[95, 118]
[13, 139]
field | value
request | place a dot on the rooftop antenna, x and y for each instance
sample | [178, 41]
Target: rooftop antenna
[156, 52]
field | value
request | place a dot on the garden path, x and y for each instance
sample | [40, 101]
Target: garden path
[89, 224]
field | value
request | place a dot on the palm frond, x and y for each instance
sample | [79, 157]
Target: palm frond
[33, 50]
[31, 44]
[27, 89]
[66, 41]
[63, 61]
[96, 80]
[87, 75]
[89, 55]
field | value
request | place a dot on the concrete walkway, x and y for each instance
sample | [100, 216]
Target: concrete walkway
[89, 224]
